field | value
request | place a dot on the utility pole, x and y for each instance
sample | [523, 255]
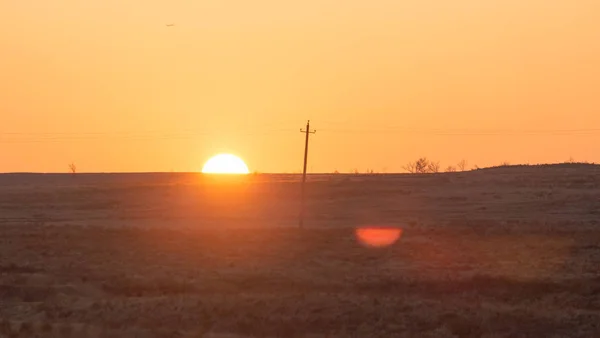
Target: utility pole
[307, 131]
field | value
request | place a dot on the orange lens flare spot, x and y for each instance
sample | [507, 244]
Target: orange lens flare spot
[378, 237]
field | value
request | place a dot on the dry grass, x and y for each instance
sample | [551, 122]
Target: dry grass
[483, 254]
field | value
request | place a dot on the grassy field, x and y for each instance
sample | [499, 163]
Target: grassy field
[505, 252]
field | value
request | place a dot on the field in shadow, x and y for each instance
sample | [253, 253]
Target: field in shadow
[100, 259]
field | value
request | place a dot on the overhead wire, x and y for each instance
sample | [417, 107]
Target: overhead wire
[23, 137]
[474, 132]
[184, 134]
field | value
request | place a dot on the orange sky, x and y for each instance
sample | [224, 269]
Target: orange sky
[106, 84]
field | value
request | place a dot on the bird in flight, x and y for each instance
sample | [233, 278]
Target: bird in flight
[170, 24]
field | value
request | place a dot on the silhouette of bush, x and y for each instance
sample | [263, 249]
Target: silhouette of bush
[433, 167]
[73, 168]
[422, 166]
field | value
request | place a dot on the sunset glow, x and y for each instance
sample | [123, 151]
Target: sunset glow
[146, 85]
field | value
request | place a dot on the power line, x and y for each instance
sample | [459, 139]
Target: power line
[467, 132]
[350, 130]
[57, 137]
[36, 137]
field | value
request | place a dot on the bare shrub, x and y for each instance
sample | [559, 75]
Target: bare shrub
[422, 166]
[433, 167]
[450, 169]
[462, 165]
[73, 168]
[410, 167]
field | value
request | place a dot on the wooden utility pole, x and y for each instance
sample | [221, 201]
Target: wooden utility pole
[307, 131]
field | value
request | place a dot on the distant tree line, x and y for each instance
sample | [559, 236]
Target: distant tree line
[425, 166]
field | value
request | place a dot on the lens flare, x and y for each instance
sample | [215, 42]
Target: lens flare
[378, 237]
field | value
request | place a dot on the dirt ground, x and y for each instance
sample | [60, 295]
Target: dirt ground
[505, 252]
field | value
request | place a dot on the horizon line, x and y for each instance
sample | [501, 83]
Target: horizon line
[282, 173]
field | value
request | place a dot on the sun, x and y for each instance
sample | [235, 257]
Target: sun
[225, 164]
